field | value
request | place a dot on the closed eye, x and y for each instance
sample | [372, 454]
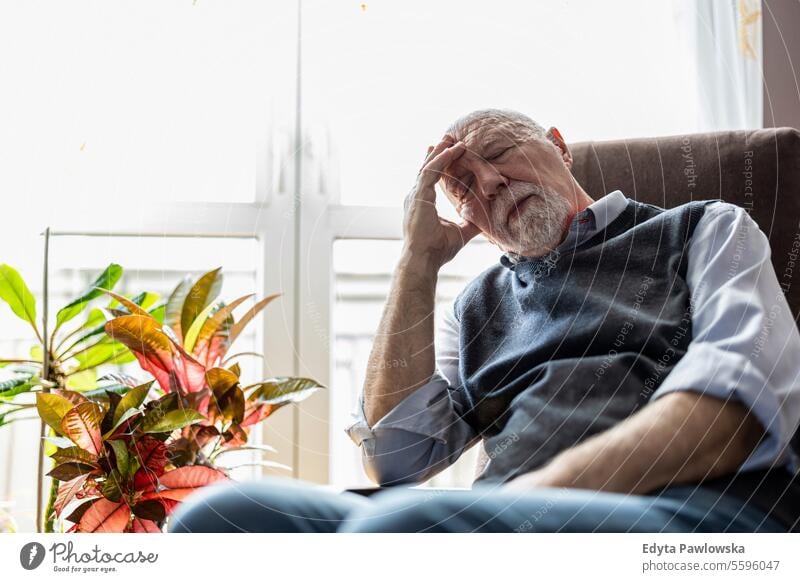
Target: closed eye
[498, 154]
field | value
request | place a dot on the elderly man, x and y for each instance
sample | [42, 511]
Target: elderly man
[625, 367]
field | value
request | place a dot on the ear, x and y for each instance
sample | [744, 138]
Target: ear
[555, 137]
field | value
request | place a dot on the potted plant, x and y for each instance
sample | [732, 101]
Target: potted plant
[126, 453]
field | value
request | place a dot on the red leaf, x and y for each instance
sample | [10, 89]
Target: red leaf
[183, 481]
[144, 480]
[191, 373]
[196, 476]
[152, 454]
[255, 413]
[105, 516]
[235, 436]
[217, 348]
[140, 525]
[67, 491]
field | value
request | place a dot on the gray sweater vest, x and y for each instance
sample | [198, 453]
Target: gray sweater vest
[555, 349]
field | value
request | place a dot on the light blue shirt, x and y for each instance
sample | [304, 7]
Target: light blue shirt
[745, 342]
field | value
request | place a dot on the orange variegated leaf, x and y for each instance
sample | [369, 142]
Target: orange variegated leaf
[239, 326]
[157, 353]
[82, 426]
[129, 305]
[213, 325]
[67, 492]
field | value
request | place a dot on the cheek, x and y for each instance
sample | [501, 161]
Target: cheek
[476, 213]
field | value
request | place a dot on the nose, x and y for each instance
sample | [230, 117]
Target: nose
[488, 181]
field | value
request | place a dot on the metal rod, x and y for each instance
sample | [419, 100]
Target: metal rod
[45, 376]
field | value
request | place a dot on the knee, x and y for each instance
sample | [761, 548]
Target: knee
[400, 511]
[235, 507]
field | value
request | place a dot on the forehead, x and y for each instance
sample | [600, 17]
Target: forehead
[481, 135]
[481, 139]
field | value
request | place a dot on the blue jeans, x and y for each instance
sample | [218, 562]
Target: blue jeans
[282, 505]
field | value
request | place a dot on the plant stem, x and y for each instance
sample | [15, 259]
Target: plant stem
[50, 514]
[39, 478]
[45, 375]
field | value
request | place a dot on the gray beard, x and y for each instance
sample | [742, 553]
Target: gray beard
[538, 229]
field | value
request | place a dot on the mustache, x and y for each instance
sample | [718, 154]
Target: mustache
[517, 194]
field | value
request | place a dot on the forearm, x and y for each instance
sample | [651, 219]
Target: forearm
[682, 437]
[403, 356]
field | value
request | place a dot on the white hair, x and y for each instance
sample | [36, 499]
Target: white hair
[515, 122]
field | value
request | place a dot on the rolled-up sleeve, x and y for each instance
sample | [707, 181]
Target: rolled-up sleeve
[745, 343]
[425, 432]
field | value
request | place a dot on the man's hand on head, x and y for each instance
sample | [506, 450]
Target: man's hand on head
[430, 239]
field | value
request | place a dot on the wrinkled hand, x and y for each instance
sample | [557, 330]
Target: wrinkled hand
[427, 234]
[547, 476]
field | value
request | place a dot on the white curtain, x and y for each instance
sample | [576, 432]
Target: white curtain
[727, 41]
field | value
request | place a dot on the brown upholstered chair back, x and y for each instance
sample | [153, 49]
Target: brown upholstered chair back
[757, 170]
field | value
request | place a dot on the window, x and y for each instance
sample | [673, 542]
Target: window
[382, 80]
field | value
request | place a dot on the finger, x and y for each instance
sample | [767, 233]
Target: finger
[432, 171]
[433, 151]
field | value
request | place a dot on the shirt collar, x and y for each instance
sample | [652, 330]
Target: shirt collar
[608, 208]
[586, 223]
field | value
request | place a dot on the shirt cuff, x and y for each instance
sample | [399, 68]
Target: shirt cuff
[428, 411]
[417, 438]
[707, 369]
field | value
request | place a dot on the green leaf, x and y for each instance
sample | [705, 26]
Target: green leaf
[52, 409]
[130, 413]
[73, 454]
[15, 292]
[174, 306]
[158, 313]
[70, 471]
[172, 420]
[18, 377]
[110, 487]
[100, 353]
[95, 323]
[201, 294]
[145, 299]
[106, 280]
[282, 390]
[36, 352]
[133, 399]
[121, 453]
[7, 395]
[191, 335]
[83, 381]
